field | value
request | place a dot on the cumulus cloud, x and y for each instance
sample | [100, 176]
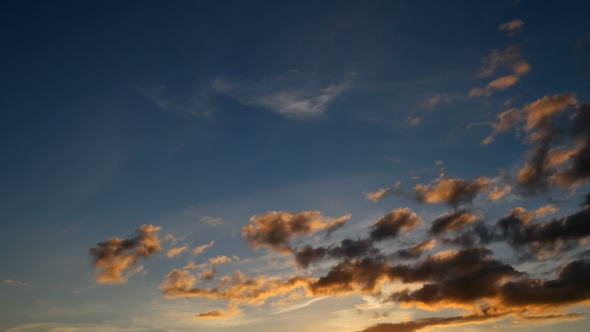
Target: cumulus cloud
[510, 59]
[388, 226]
[347, 249]
[115, 256]
[292, 95]
[452, 191]
[274, 230]
[237, 289]
[452, 221]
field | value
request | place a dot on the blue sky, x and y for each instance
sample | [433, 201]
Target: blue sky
[201, 118]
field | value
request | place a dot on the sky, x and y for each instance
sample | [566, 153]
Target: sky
[367, 166]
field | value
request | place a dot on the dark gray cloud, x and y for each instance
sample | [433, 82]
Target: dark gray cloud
[388, 226]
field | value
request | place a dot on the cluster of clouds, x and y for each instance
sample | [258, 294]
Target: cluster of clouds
[451, 264]
[467, 276]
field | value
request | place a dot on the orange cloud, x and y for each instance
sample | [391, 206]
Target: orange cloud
[452, 221]
[115, 256]
[202, 248]
[377, 195]
[274, 230]
[176, 251]
[499, 192]
[237, 289]
[451, 191]
[509, 58]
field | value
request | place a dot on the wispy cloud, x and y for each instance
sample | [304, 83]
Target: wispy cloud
[510, 59]
[197, 104]
[16, 282]
[511, 27]
[293, 95]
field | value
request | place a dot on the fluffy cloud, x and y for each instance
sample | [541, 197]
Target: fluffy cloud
[347, 249]
[274, 229]
[452, 221]
[388, 226]
[115, 256]
[238, 289]
[451, 191]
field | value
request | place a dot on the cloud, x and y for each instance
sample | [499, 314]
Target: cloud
[275, 229]
[197, 105]
[528, 239]
[499, 192]
[218, 313]
[428, 323]
[212, 221]
[452, 279]
[176, 251]
[510, 59]
[415, 251]
[432, 103]
[451, 191]
[16, 282]
[542, 162]
[452, 221]
[384, 192]
[511, 27]
[115, 256]
[219, 260]
[540, 112]
[377, 195]
[208, 274]
[347, 249]
[578, 171]
[545, 210]
[292, 95]
[388, 226]
[505, 121]
[570, 287]
[200, 249]
[238, 290]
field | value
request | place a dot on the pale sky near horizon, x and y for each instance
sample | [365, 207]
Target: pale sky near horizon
[375, 166]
